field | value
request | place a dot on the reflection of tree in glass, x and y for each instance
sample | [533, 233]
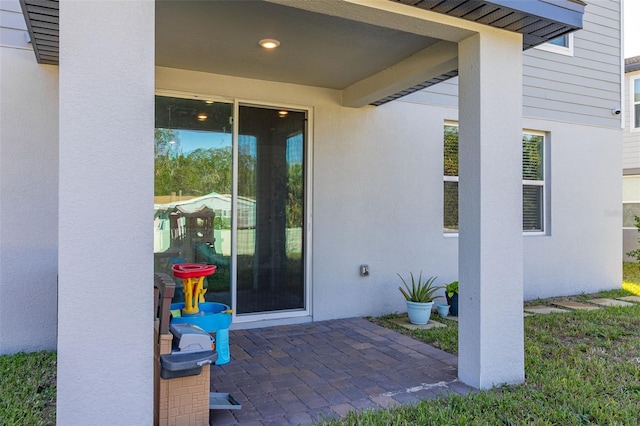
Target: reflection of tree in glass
[532, 157]
[451, 150]
[166, 142]
[209, 170]
[204, 171]
[246, 173]
[166, 145]
[199, 172]
[295, 178]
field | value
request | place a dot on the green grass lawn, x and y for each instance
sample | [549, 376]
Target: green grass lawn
[28, 389]
[581, 368]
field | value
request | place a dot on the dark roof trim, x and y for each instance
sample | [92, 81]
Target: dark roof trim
[416, 88]
[632, 64]
[43, 19]
[537, 20]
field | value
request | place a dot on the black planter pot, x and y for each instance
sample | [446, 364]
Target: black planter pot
[453, 302]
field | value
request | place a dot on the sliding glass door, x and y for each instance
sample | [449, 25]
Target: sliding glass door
[240, 207]
[270, 210]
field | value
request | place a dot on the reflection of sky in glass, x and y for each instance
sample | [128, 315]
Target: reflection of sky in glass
[247, 145]
[190, 140]
[294, 149]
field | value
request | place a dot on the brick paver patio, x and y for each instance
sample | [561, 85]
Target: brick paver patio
[298, 374]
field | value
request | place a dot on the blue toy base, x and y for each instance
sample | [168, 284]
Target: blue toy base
[211, 320]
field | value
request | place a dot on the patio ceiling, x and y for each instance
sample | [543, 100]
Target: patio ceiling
[221, 37]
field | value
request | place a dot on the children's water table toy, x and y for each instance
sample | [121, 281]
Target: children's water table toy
[210, 316]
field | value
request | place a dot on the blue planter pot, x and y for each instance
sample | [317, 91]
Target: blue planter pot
[453, 302]
[443, 310]
[419, 313]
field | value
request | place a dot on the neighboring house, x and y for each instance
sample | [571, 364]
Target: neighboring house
[403, 137]
[631, 156]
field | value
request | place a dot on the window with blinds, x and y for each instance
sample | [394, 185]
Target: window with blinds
[533, 181]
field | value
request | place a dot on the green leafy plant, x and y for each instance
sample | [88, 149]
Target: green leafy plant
[451, 289]
[636, 253]
[419, 291]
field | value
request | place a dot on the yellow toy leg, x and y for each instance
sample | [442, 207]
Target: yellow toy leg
[199, 296]
[193, 294]
[191, 288]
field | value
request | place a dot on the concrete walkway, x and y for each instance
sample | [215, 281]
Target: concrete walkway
[298, 374]
[563, 306]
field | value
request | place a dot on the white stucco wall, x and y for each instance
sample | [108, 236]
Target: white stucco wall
[28, 201]
[377, 177]
[582, 252]
[377, 198]
[105, 318]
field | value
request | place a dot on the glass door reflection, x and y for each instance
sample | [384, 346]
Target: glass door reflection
[271, 210]
[193, 187]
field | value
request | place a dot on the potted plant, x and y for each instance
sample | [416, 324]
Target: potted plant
[419, 298]
[451, 292]
[443, 310]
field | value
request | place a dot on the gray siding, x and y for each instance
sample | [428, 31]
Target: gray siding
[582, 88]
[13, 29]
[631, 137]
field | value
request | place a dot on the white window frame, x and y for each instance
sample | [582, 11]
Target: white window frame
[449, 179]
[562, 50]
[633, 104]
[542, 183]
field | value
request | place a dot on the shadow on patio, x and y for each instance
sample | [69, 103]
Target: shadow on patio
[299, 374]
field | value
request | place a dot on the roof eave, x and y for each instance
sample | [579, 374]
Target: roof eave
[42, 19]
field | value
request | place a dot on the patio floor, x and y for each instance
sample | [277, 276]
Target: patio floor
[298, 374]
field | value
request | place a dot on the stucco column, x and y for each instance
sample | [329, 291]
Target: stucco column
[105, 328]
[491, 345]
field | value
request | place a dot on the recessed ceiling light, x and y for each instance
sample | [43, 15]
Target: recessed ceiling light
[202, 116]
[209, 102]
[269, 43]
[283, 113]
